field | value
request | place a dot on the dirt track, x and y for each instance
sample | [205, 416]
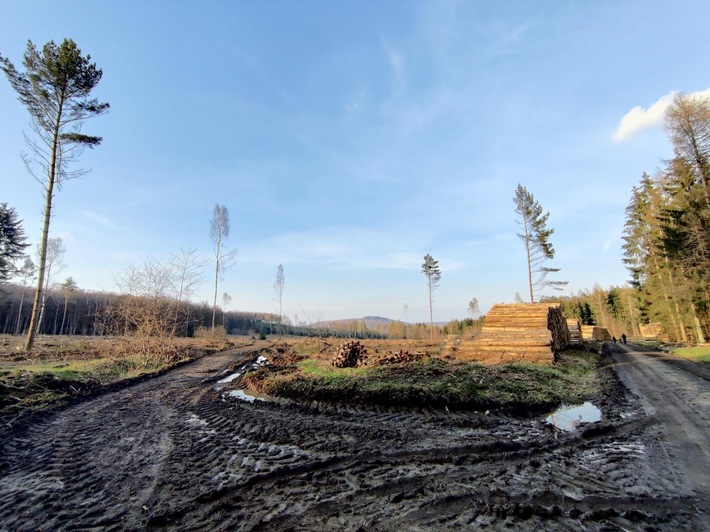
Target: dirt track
[173, 452]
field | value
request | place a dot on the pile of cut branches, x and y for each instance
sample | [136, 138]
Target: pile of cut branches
[398, 357]
[351, 354]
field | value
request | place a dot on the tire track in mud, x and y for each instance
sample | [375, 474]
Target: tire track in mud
[413, 473]
[175, 453]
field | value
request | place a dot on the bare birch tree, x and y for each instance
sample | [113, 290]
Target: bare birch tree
[226, 300]
[279, 286]
[188, 269]
[219, 232]
[26, 273]
[54, 251]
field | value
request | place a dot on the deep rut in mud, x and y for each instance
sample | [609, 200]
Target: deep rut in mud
[174, 452]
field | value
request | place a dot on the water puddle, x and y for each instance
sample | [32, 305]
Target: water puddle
[570, 417]
[244, 395]
[244, 368]
[230, 378]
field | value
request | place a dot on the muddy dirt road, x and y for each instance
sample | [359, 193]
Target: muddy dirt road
[176, 452]
[676, 394]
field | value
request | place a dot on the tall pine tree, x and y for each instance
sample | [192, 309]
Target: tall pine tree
[536, 238]
[55, 88]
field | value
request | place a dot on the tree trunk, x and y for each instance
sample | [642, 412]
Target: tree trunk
[19, 311]
[632, 318]
[214, 303]
[683, 334]
[29, 343]
[431, 313]
[64, 315]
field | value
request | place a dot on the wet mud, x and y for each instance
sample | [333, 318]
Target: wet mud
[179, 452]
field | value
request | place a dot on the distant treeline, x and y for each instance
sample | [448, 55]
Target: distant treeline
[401, 330]
[615, 308]
[90, 313]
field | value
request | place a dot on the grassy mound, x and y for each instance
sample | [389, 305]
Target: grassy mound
[436, 383]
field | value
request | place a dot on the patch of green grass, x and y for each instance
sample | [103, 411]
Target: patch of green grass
[322, 369]
[70, 370]
[435, 383]
[697, 353]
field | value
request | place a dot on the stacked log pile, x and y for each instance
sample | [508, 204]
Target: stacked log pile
[521, 332]
[351, 354]
[575, 332]
[652, 331]
[557, 325]
[592, 332]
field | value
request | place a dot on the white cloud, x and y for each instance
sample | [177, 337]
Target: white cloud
[639, 118]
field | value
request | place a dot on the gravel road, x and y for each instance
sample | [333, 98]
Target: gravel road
[177, 452]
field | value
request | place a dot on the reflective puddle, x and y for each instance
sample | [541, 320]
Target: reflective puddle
[232, 377]
[244, 368]
[570, 417]
[243, 395]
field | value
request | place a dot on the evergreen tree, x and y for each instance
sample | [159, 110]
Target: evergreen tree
[12, 241]
[646, 259]
[536, 237]
[431, 270]
[55, 89]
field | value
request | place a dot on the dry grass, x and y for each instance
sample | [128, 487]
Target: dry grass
[61, 367]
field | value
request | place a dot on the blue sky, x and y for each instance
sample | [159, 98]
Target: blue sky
[349, 139]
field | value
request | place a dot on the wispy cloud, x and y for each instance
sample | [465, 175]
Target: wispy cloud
[397, 63]
[640, 118]
[102, 220]
[346, 248]
[505, 37]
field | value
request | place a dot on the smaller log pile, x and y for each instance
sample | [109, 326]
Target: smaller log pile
[592, 332]
[575, 332]
[350, 355]
[653, 331]
[398, 357]
[557, 325]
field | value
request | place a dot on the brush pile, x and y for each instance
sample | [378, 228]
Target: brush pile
[398, 357]
[350, 355]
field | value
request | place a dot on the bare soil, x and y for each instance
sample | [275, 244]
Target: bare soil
[177, 452]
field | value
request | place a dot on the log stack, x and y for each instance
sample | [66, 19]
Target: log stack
[522, 332]
[575, 332]
[557, 325]
[592, 332]
[652, 331]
